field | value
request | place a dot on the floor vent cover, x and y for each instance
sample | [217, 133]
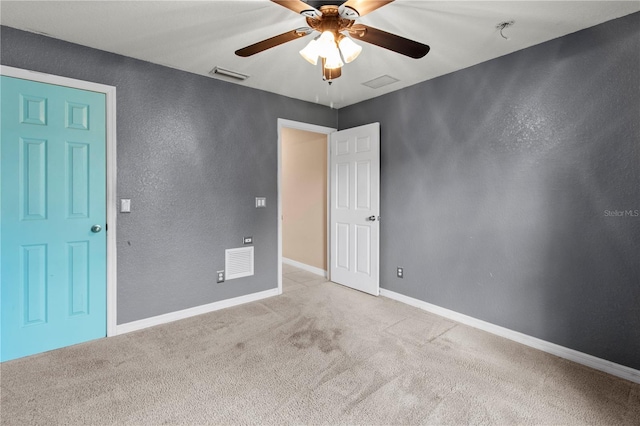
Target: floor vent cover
[238, 262]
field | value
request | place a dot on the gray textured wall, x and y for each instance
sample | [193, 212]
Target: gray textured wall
[193, 152]
[495, 183]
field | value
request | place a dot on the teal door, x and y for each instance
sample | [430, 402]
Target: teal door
[53, 183]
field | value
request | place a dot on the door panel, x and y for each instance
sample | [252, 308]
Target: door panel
[342, 246]
[34, 267]
[53, 182]
[342, 186]
[355, 198]
[363, 185]
[363, 249]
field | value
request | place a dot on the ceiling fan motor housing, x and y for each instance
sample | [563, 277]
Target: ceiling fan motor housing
[319, 4]
[330, 21]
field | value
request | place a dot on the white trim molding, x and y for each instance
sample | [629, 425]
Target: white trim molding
[305, 267]
[110, 96]
[596, 363]
[191, 312]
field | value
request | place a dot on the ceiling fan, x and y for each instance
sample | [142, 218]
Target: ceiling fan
[332, 19]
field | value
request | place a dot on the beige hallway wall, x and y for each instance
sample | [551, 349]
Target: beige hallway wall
[304, 197]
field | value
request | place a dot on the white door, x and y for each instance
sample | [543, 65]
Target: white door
[355, 207]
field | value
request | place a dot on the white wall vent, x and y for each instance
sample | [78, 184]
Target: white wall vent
[238, 262]
[217, 72]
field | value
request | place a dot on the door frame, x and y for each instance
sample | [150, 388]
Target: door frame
[110, 123]
[298, 125]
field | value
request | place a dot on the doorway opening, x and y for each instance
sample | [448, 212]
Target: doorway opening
[303, 190]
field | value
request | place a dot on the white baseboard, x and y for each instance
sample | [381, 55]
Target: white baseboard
[609, 367]
[198, 310]
[305, 267]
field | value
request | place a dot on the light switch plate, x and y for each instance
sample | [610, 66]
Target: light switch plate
[247, 240]
[125, 205]
[261, 202]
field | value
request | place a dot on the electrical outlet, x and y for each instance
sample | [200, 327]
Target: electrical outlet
[247, 240]
[400, 272]
[220, 277]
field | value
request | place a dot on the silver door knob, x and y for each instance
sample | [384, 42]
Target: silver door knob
[371, 218]
[96, 228]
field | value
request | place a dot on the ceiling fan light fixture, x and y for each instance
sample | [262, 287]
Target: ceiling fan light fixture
[311, 51]
[326, 44]
[349, 49]
[334, 20]
[333, 59]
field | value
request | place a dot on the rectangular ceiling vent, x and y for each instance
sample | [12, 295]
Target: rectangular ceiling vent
[379, 82]
[238, 262]
[221, 72]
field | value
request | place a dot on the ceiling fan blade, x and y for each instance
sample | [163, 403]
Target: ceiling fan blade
[393, 42]
[299, 7]
[273, 42]
[365, 6]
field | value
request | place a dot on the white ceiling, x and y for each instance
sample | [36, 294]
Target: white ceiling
[195, 36]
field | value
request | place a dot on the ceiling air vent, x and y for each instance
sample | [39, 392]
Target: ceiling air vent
[221, 72]
[379, 82]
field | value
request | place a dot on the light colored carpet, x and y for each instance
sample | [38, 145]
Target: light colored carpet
[319, 354]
